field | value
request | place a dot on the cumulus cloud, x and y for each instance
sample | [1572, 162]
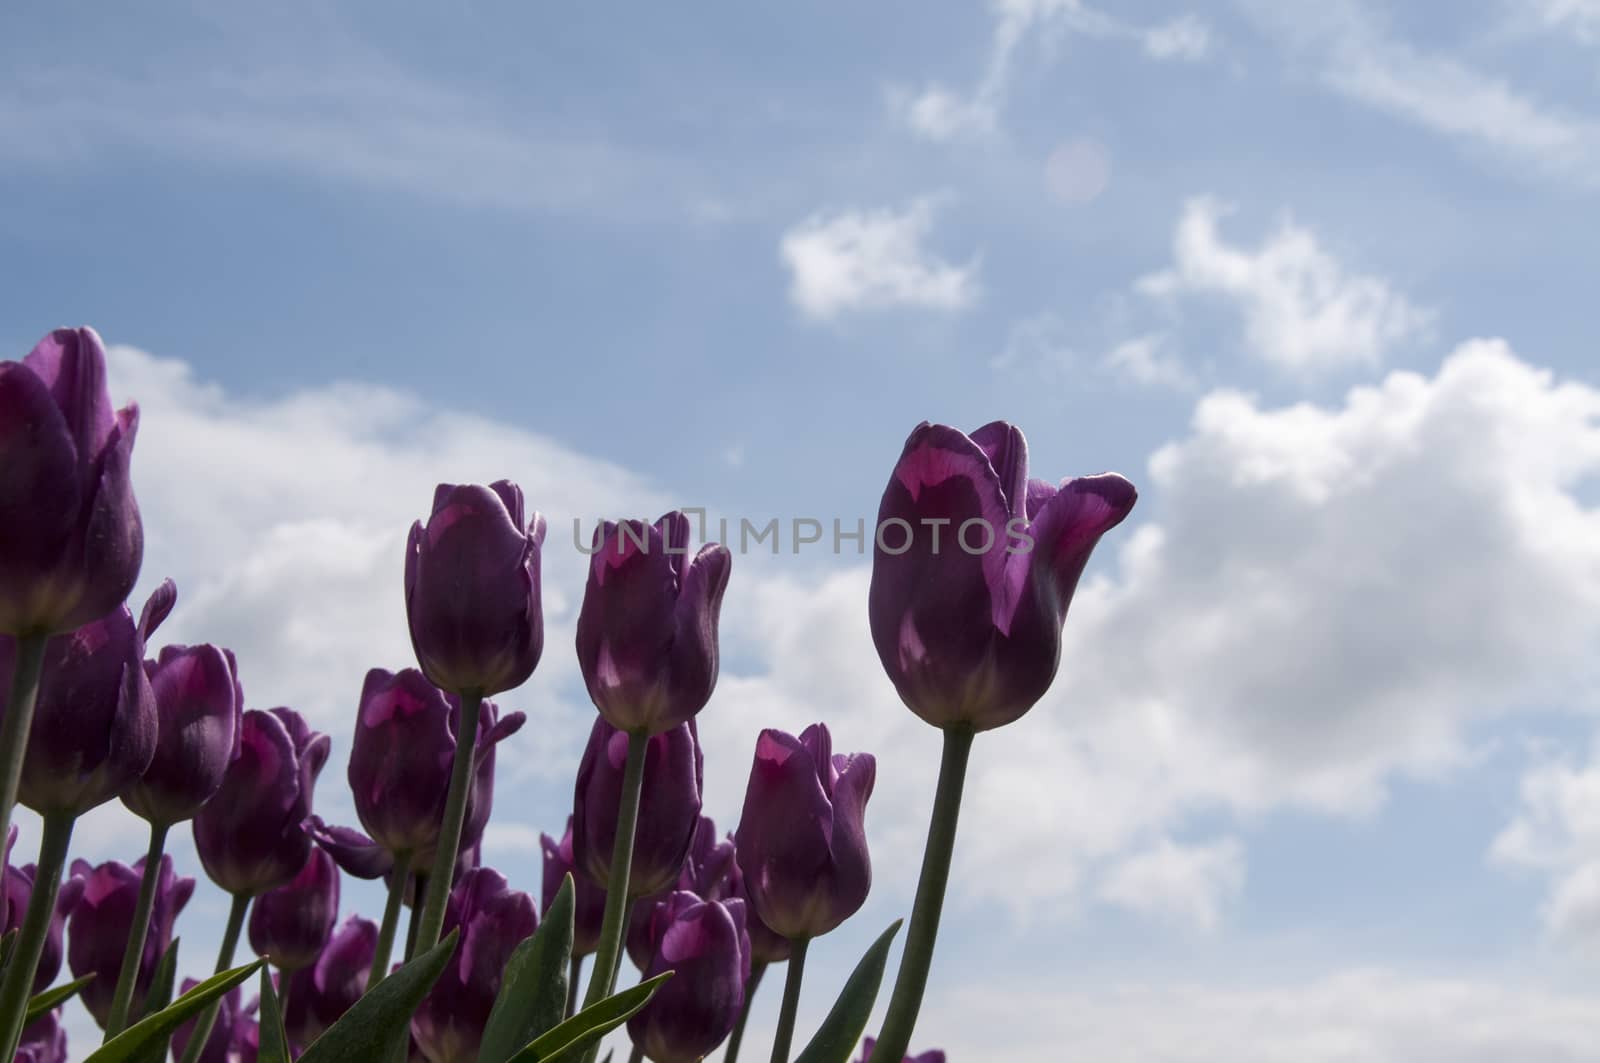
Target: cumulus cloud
[1556, 832]
[1186, 885]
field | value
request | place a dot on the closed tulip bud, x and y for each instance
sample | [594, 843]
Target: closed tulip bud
[707, 950]
[97, 930]
[251, 837]
[472, 589]
[802, 842]
[290, 925]
[669, 805]
[932, 1056]
[16, 889]
[647, 632]
[235, 1036]
[588, 899]
[973, 571]
[493, 920]
[321, 993]
[708, 870]
[70, 537]
[44, 1040]
[199, 705]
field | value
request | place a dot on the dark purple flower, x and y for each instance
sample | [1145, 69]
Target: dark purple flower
[16, 891]
[669, 805]
[199, 704]
[44, 1040]
[472, 589]
[973, 570]
[706, 948]
[494, 920]
[708, 873]
[802, 841]
[766, 944]
[321, 993]
[70, 538]
[356, 854]
[235, 1036]
[588, 899]
[647, 632]
[95, 723]
[97, 930]
[290, 925]
[932, 1056]
[251, 836]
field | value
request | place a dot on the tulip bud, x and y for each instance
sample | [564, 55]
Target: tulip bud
[251, 836]
[588, 900]
[16, 890]
[973, 571]
[44, 1040]
[199, 705]
[70, 538]
[802, 842]
[234, 1037]
[493, 920]
[472, 589]
[669, 805]
[647, 632]
[321, 993]
[97, 930]
[290, 925]
[869, 1043]
[706, 948]
[707, 873]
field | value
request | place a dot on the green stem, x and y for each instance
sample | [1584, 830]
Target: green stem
[574, 974]
[918, 956]
[419, 888]
[732, 1052]
[18, 983]
[604, 976]
[230, 942]
[391, 920]
[19, 721]
[134, 953]
[442, 877]
[791, 1000]
[637, 1055]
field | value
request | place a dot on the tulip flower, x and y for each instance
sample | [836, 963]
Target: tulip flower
[708, 873]
[199, 704]
[588, 899]
[932, 1056]
[472, 589]
[97, 929]
[291, 924]
[647, 632]
[693, 1011]
[231, 1039]
[766, 944]
[494, 920]
[319, 994]
[16, 890]
[44, 1041]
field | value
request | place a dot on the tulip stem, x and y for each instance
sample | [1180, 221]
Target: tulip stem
[19, 721]
[791, 999]
[912, 980]
[230, 942]
[732, 1052]
[604, 976]
[637, 1055]
[419, 887]
[442, 877]
[132, 956]
[18, 983]
[398, 879]
[574, 974]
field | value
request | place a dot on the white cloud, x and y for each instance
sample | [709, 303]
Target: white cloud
[872, 259]
[1581, 18]
[1556, 831]
[1140, 361]
[1183, 884]
[1184, 37]
[1303, 310]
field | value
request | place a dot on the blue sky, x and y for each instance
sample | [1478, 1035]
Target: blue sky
[1316, 781]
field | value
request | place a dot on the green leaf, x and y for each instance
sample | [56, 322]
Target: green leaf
[274, 1047]
[533, 990]
[159, 996]
[130, 1043]
[836, 1038]
[590, 1024]
[367, 1030]
[51, 997]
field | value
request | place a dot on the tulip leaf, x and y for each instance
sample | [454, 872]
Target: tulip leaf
[835, 1040]
[533, 989]
[158, 997]
[589, 1025]
[51, 997]
[369, 1029]
[274, 1047]
[130, 1043]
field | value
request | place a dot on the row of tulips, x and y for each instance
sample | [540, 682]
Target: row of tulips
[479, 970]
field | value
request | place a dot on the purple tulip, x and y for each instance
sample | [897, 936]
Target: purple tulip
[802, 842]
[234, 1037]
[251, 836]
[70, 538]
[647, 632]
[669, 805]
[472, 589]
[708, 873]
[95, 722]
[933, 1056]
[44, 1040]
[401, 757]
[356, 854]
[766, 944]
[16, 890]
[974, 568]
[321, 993]
[97, 930]
[706, 948]
[290, 925]
[588, 899]
[199, 704]
[494, 920]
